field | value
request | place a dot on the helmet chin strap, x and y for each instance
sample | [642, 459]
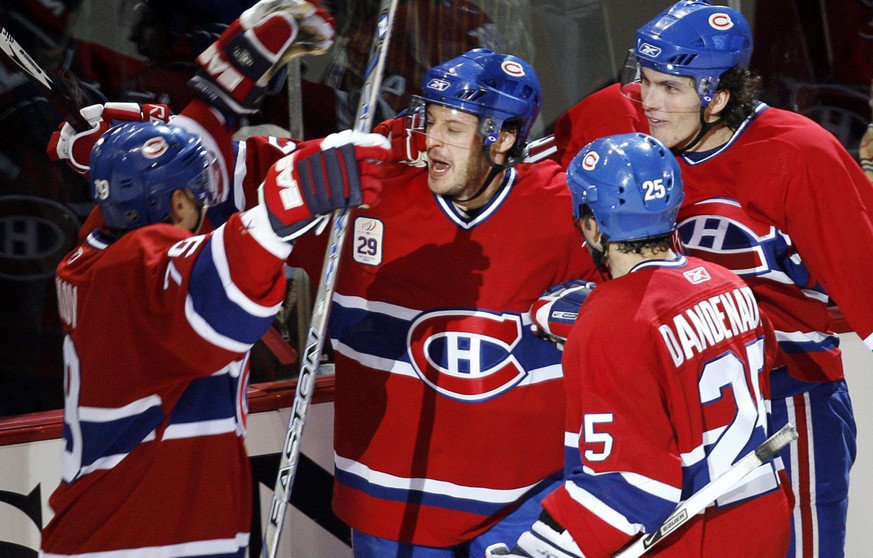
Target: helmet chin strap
[495, 170]
[705, 127]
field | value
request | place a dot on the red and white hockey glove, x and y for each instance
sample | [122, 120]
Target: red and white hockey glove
[555, 312]
[75, 147]
[342, 170]
[407, 146]
[236, 69]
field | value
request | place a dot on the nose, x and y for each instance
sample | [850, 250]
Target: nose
[649, 98]
[431, 139]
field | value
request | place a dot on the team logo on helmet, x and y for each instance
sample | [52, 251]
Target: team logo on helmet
[438, 84]
[721, 21]
[512, 68]
[154, 148]
[650, 50]
[590, 160]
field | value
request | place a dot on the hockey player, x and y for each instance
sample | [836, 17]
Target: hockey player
[449, 411]
[158, 319]
[774, 197]
[647, 428]
[434, 357]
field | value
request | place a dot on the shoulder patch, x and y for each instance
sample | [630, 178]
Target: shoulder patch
[369, 236]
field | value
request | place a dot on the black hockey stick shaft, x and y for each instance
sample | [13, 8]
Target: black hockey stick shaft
[61, 86]
[318, 327]
[712, 491]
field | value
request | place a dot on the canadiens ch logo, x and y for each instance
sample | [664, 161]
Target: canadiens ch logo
[154, 148]
[720, 21]
[512, 68]
[466, 355]
[720, 230]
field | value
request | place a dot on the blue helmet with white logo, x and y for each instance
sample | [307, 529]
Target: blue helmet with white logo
[631, 183]
[136, 167]
[696, 39]
[496, 87]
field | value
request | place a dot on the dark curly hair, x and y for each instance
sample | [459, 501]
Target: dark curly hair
[657, 243]
[744, 86]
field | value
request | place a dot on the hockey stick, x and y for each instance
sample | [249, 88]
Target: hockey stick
[64, 89]
[709, 493]
[321, 309]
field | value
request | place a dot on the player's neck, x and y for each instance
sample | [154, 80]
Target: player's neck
[712, 139]
[621, 263]
[480, 200]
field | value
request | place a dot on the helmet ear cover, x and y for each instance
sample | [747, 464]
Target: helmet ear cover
[500, 89]
[630, 182]
[693, 38]
[136, 167]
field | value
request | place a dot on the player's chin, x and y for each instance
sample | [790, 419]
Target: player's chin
[441, 185]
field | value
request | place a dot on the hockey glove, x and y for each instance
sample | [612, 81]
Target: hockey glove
[236, 69]
[407, 146]
[555, 312]
[342, 170]
[75, 147]
[543, 539]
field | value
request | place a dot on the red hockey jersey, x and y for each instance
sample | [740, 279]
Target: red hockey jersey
[437, 368]
[667, 386]
[158, 326]
[783, 205]
[438, 374]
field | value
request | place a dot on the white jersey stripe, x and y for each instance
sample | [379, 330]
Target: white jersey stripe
[430, 486]
[604, 512]
[535, 376]
[198, 548]
[204, 330]
[106, 414]
[219, 258]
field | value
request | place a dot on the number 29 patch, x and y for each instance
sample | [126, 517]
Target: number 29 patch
[369, 234]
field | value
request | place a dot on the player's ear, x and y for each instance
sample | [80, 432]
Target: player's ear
[719, 102]
[591, 231]
[182, 205]
[506, 139]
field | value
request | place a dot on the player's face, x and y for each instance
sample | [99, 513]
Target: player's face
[456, 166]
[672, 107]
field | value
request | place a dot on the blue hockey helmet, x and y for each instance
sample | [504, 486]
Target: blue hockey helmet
[136, 167]
[495, 87]
[632, 184]
[693, 38]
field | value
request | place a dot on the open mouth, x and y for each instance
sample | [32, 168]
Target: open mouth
[437, 167]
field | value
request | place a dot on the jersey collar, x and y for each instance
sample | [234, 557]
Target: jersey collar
[696, 157]
[468, 221]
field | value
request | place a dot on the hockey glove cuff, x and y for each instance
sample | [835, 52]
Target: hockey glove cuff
[73, 146]
[407, 146]
[235, 70]
[343, 170]
[555, 312]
